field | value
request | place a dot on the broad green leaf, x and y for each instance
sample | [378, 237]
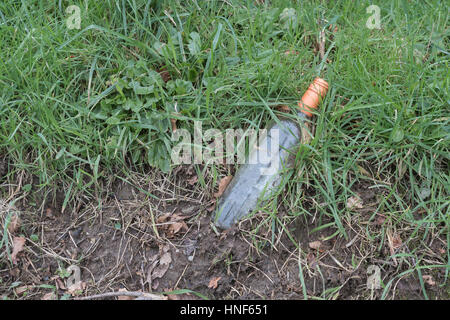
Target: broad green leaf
[397, 135]
[194, 44]
[289, 19]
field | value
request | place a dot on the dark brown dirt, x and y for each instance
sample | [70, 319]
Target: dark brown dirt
[3, 167]
[123, 244]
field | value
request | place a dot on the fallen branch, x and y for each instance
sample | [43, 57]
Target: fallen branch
[137, 294]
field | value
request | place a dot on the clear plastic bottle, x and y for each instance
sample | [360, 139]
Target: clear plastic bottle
[260, 174]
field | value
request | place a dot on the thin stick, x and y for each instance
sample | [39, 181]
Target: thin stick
[322, 44]
[141, 295]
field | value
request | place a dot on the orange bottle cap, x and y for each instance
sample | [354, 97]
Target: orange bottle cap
[312, 97]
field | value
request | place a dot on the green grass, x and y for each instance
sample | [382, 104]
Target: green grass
[384, 121]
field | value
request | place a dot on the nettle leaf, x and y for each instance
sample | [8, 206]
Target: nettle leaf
[170, 85]
[133, 84]
[158, 156]
[397, 135]
[100, 113]
[195, 43]
[127, 105]
[136, 69]
[149, 102]
[144, 90]
[113, 120]
[192, 74]
[120, 85]
[153, 78]
[288, 18]
[134, 105]
[183, 86]
[158, 46]
[137, 106]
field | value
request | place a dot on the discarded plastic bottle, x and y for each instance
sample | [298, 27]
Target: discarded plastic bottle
[261, 172]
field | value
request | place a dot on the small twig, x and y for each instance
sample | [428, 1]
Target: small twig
[137, 294]
[322, 44]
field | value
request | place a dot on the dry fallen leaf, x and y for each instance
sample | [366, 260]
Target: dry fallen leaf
[354, 202]
[396, 241]
[18, 244]
[60, 284]
[212, 206]
[163, 266]
[315, 245]
[76, 288]
[165, 75]
[223, 185]
[49, 213]
[213, 283]
[14, 223]
[49, 296]
[20, 290]
[176, 227]
[289, 52]
[380, 219]
[163, 218]
[312, 260]
[192, 181]
[428, 279]
[172, 224]
[283, 108]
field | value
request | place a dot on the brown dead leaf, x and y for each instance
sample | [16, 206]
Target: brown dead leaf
[76, 288]
[14, 223]
[172, 224]
[428, 279]
[60, 284]
[212, 206]
[163, 266]
[49, 296]
[176, 227]
[163, 218]
[21, 289]
[315, 245]
[49, 213]
[380, 219]
[192, 181]
[354, 202]
[165, 75]
[223, 185]
[18, 244]
[311, 259]
[396, 241]
[213, 283]
[289, 52]
[283, 108]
